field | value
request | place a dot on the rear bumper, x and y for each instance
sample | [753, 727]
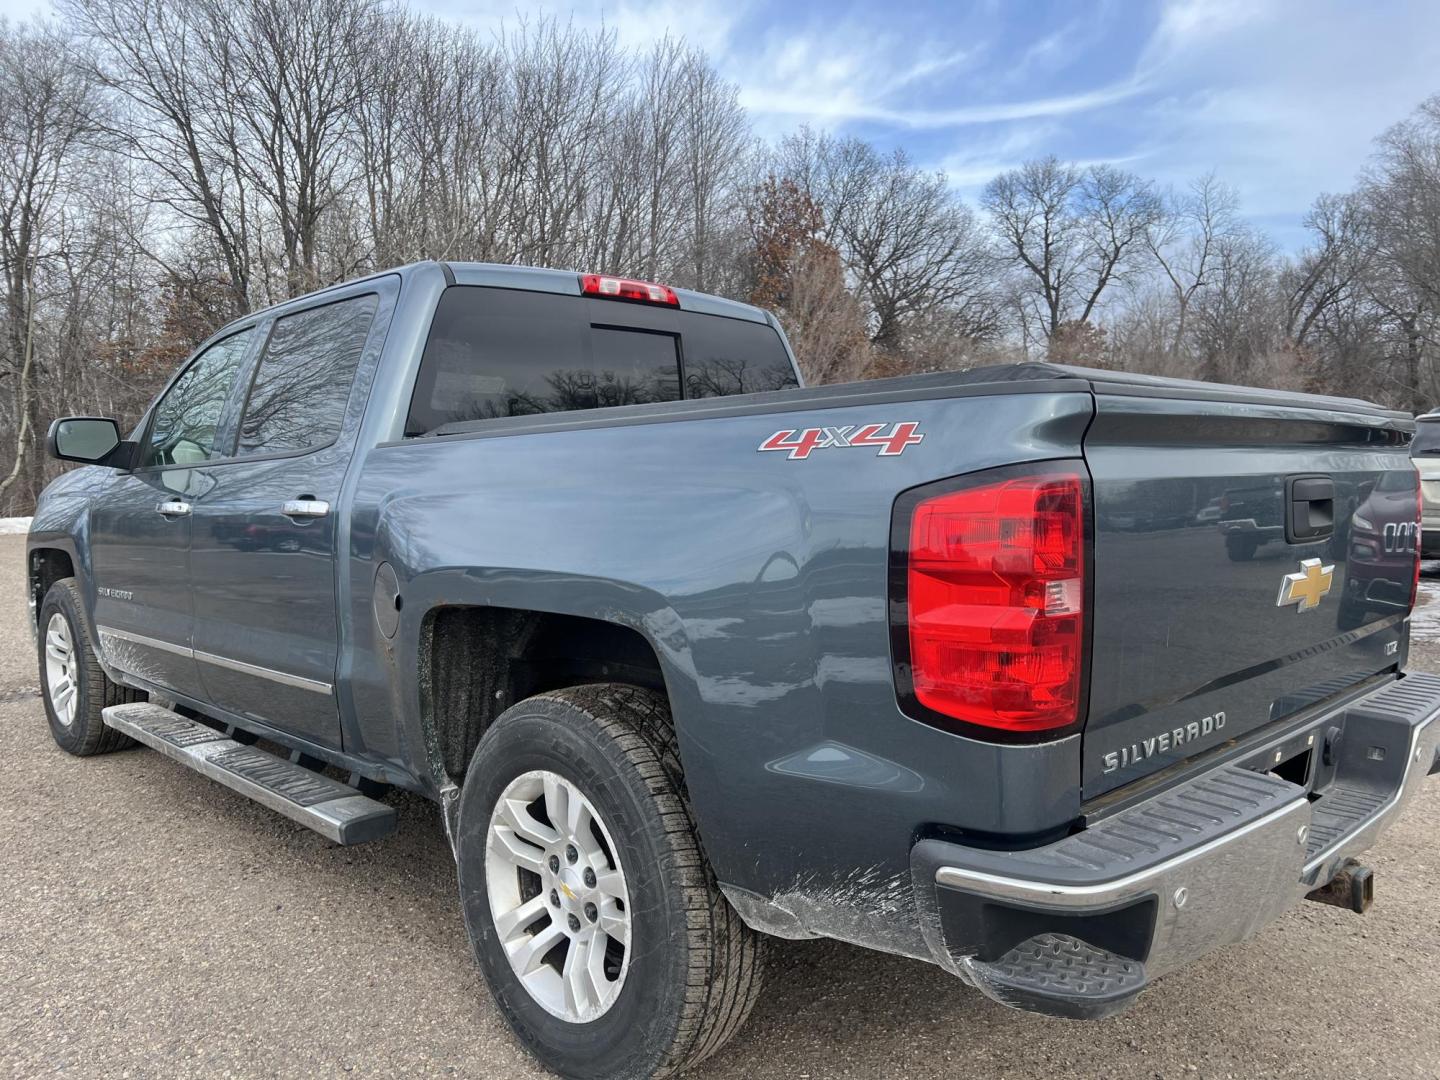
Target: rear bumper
[1078, 927]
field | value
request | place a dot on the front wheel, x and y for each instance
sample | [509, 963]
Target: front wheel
[73, 684]
[590, 906]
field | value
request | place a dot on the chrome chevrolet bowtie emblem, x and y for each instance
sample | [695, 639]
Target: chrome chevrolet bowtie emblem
[1305, 588]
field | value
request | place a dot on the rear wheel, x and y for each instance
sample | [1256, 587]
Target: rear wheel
[591, 909]
[73, 684]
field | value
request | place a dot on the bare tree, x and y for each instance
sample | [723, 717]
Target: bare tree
[172, 118]
[1236, 326]
[47, 106]
[1072, 232]
[1184, 240]
[293, 69]
[1326, 273]
[909, 245]
[1401, 205]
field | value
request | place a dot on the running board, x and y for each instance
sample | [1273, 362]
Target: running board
[334, 810]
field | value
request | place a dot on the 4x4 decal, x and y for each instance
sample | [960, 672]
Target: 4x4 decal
[892, 442]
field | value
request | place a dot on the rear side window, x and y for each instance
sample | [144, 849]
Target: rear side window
[733, 356]
[304, 377]
[506, 352]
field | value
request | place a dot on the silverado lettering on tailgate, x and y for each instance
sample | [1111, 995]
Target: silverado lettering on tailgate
[1159, 744]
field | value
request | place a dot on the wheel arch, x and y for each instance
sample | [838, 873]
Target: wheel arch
[477, 660]
[45, 565]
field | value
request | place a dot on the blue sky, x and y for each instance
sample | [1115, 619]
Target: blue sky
[1281, 99]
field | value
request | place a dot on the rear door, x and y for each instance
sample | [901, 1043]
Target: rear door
[1250, 559]
[266, 532]
[140, 525]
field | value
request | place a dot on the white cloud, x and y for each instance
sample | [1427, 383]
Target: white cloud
[846, 70]
[844, 106]
[1187, 24]
[974, 160]
[850, 71]
[1284, 102]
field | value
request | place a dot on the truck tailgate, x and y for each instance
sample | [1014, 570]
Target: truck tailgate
[1253, 555]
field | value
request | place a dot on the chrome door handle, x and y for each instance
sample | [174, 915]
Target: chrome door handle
[305, 508]
[174, 508]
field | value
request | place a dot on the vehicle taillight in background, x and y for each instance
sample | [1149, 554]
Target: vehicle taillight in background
[1419, 535]
[989, 578]
[617, 288]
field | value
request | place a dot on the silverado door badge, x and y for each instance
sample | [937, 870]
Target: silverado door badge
[892, 439]
[1305, 588]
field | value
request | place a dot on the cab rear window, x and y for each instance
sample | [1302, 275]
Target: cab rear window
[507, 352]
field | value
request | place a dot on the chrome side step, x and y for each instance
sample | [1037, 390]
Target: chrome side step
[334, 810]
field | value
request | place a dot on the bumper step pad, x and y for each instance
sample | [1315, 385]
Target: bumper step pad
[334, 810]
[1059, 975]
[1341, 812]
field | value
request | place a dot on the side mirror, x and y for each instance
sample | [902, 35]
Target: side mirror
[91, 440]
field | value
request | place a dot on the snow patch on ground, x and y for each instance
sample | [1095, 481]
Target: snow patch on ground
[14, 525]
[1425, 619]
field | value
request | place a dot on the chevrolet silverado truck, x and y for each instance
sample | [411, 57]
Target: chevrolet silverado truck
[960, 667]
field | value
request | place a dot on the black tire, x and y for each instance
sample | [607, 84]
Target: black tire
[87, 734]
[692, 984]
[1241, 548]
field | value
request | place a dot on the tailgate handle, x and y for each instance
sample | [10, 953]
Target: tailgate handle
[1309, 508]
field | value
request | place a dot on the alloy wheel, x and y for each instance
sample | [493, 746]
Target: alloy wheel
[61, 675]
[558, 896]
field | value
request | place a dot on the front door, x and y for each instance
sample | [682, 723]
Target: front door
[140, 526]
[263, 550]
[140, 552]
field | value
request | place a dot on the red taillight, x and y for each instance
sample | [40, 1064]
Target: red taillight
[995, 602]
[616, 288]
[1419, 535]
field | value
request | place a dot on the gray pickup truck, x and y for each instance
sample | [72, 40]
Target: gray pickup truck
[962, 667]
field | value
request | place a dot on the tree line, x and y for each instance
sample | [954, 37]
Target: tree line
[168, 165]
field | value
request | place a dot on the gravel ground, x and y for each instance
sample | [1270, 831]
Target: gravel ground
[155, 924]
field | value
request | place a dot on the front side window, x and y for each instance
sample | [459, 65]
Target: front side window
[183, 431]
[303, 381]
